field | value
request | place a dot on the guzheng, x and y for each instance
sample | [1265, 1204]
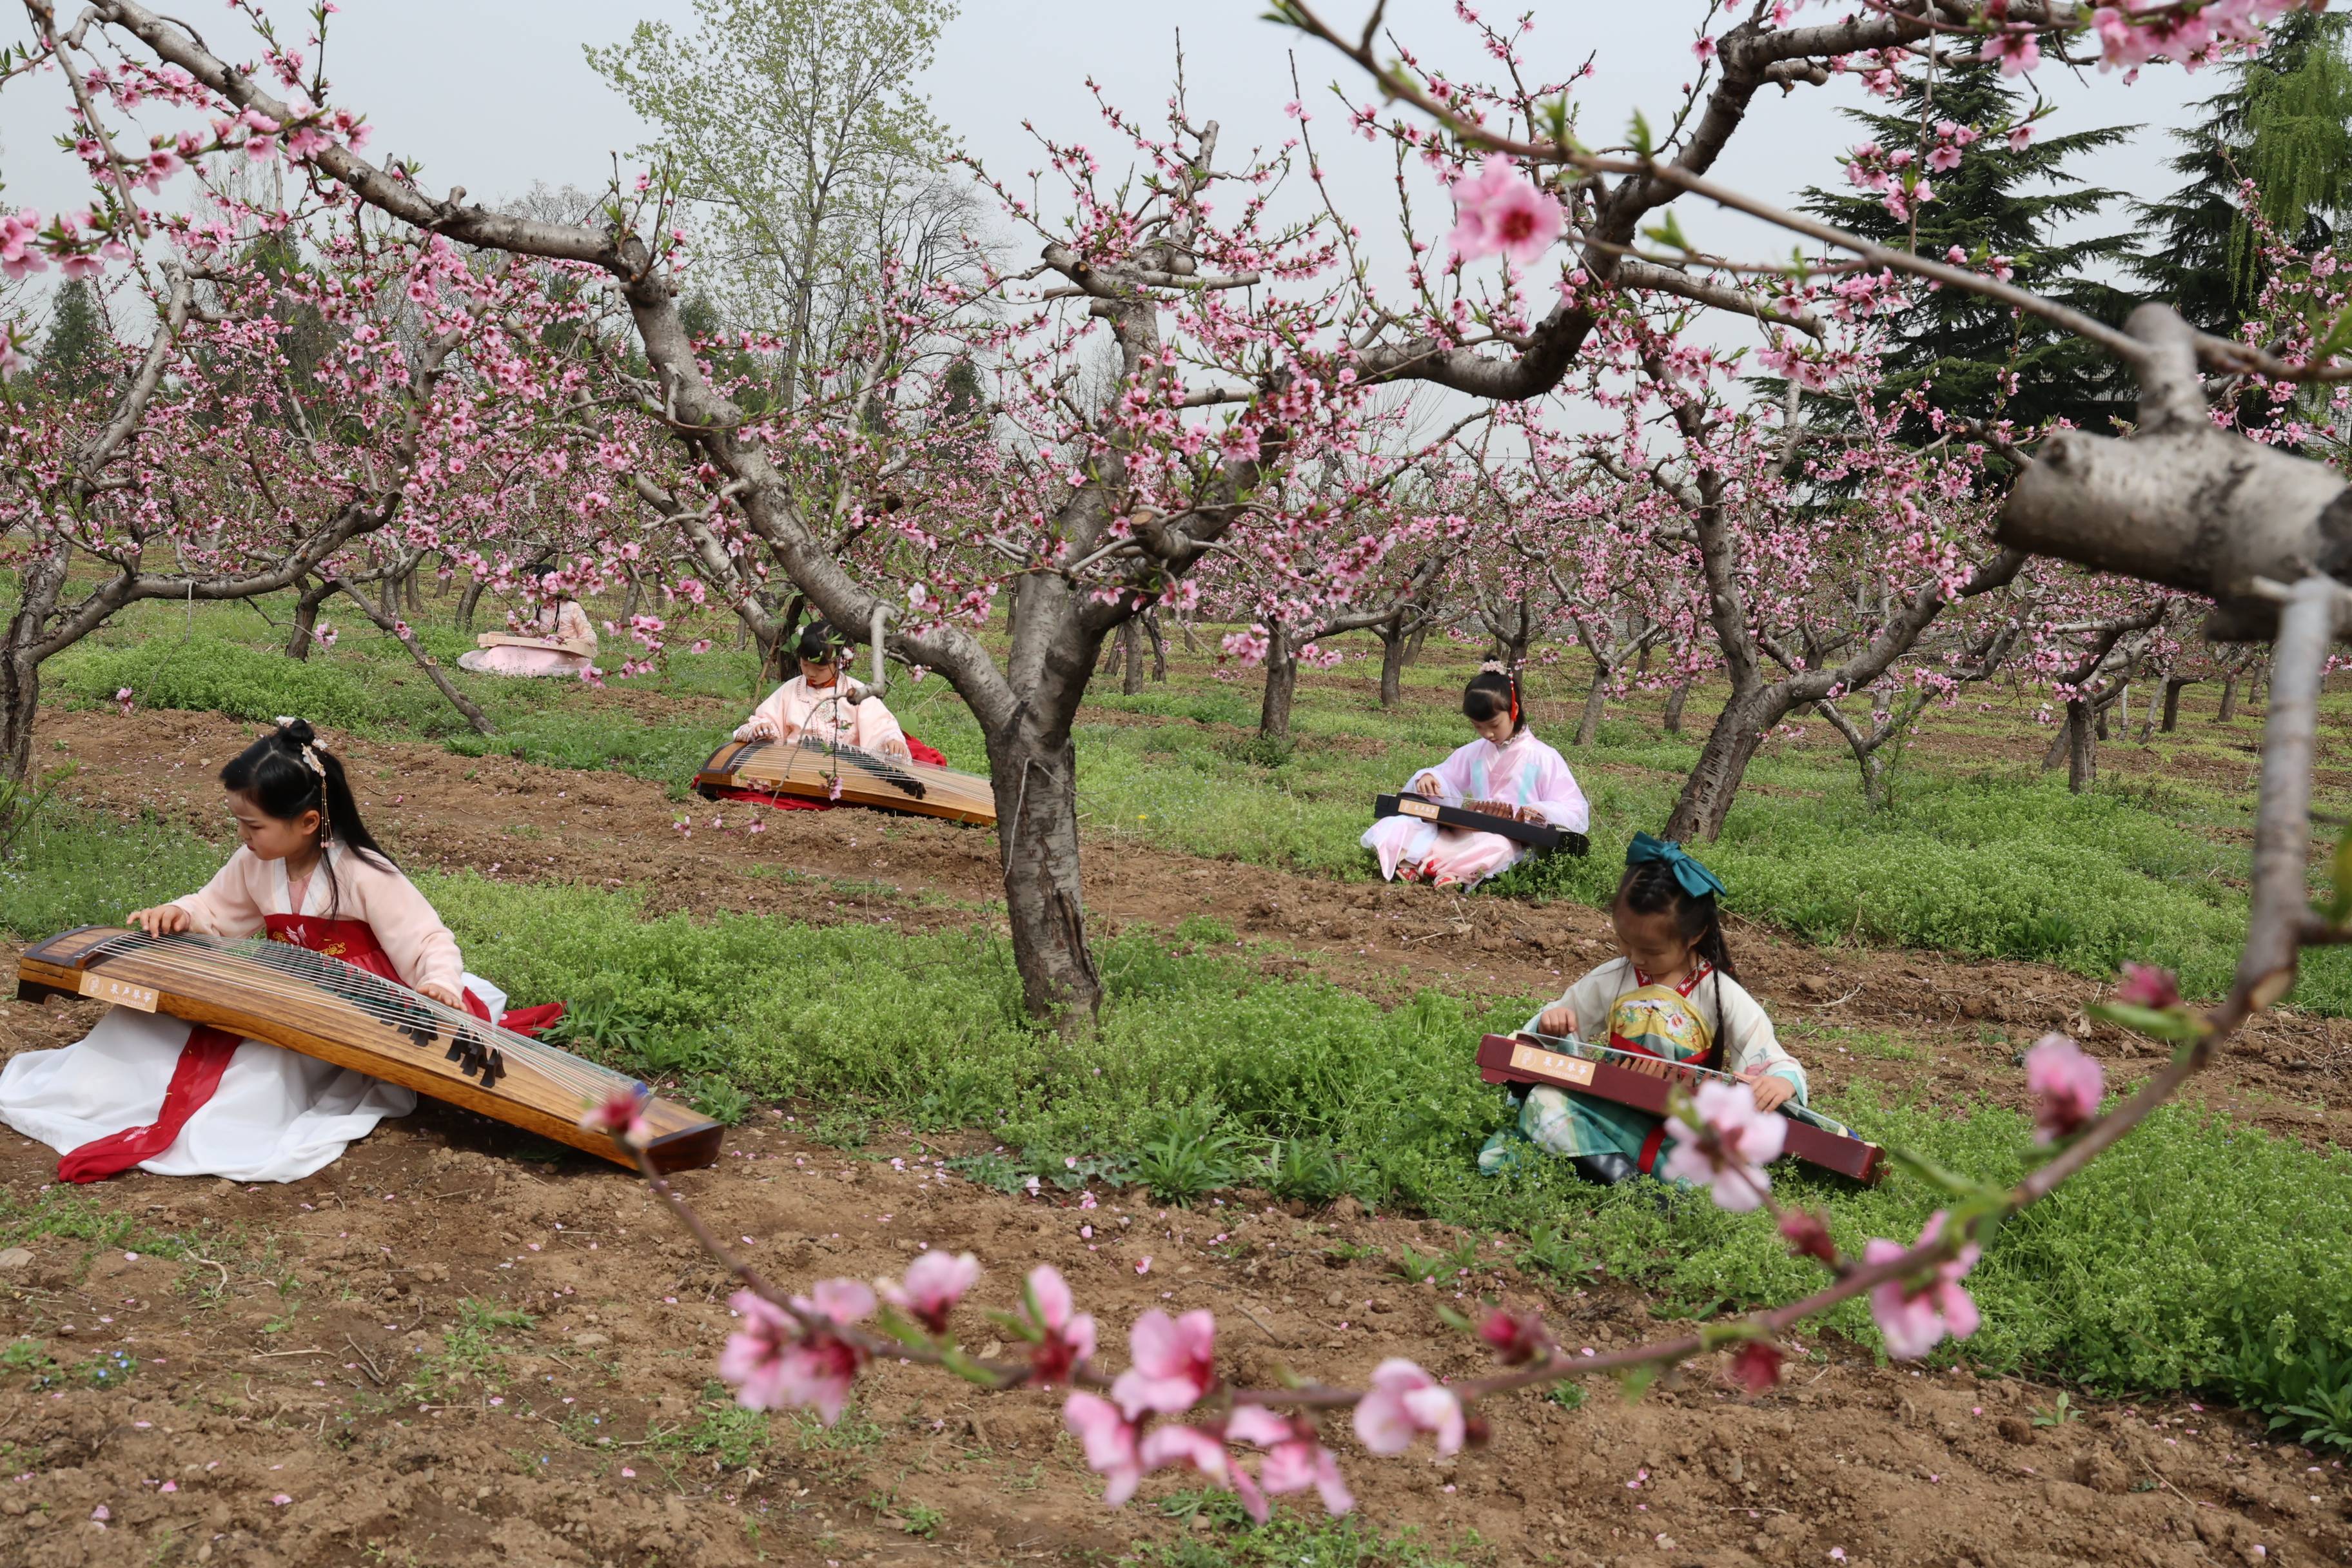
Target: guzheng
[1541, 835]
[285, 995]
[809, 769]
[1571, 1064]
[546, 644]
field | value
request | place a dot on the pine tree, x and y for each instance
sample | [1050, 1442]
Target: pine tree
[2001, 201]
[2285, 123]
[72, 359]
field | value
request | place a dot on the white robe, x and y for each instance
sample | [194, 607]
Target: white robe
[278, 1115]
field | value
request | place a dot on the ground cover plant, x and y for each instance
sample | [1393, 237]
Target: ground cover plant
[1977, 852]
[2201, 1256]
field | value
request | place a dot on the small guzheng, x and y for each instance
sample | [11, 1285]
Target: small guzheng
[1541, 835]
[809, 770]
[1573, 1064]
[287, 995]
[545, 645]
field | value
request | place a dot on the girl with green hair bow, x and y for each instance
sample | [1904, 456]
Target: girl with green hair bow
[1673, 997]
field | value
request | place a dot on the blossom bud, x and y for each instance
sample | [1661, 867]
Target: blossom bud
[1808, 1235]
[2145, 985]
[1516, 1338]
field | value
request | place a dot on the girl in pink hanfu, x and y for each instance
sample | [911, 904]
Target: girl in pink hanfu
[1506, 771]
[564, 621]
[823, 706]
[152, 1090]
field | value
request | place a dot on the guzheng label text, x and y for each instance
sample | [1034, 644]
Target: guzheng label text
[1551, 1063]
[121, 995]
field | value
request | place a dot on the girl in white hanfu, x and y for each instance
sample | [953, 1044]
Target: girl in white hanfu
[823, 706]
[1506, 771]
[152, 1090]
[560, 620]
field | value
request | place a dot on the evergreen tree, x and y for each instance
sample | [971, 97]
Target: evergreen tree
[2000, 201]
[72, 359]
[2285, 123]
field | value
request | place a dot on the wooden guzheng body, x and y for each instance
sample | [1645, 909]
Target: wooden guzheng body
[546, 644]
[1541, 834]
[808, 768]
[287, 995]
[1515, 1059]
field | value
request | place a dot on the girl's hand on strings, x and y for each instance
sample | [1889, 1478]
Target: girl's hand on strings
[1648, 1067]
[1426, 785]
[446, 996]
[1771, 1092]
[163, 920]
[1555, 1021]
[761, 728]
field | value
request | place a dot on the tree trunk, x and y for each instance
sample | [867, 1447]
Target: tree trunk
[1412, 647]
[1035, 775]
[1281, 685]
[1150, 620]
[20, 705]
[1714, 782]
[1675, 700]
[1392, 643]
[2081, 753]
[1594, 702]
[2059, 744]
[2100, 729]
[629, 604]
[415, 595]
[1130, 647]
[1184, 627]
[306, 619]
[467, 604]
[2228, 698]
[2172, 702]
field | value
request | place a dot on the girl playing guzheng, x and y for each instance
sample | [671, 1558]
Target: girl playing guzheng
[1674, 997]
[1505, 771]
[823, 705]
[150, 1090]
[562, 620]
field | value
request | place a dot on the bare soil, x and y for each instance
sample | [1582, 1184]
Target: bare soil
[286, 1393]
[306, 1388]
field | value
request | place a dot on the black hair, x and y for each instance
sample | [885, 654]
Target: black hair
[1651, 889]
[1492, 691]
[276, 774]
[819, 644]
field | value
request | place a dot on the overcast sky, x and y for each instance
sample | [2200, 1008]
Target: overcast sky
[494, 94]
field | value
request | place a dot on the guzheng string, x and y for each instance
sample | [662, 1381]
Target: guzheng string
[263, 965]
[1568, 1045]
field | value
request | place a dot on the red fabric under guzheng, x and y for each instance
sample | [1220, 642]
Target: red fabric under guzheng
[914, 749]
[196, 1077]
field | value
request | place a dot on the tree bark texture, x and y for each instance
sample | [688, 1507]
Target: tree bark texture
[1392, 646]
[306, 619]
[1281, 686]
[2172, 689]
[1595, 700]
[1131, 649]
[1675, 700]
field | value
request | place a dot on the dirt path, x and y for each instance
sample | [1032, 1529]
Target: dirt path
[305, 1391]
[1909, 1022]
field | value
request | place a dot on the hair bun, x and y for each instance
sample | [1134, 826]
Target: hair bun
[297, 731]
[1493, 667]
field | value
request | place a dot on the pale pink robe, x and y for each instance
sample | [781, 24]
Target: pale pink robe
[278, 1115]
[571, 624]
[1522, 771]
[825, 714]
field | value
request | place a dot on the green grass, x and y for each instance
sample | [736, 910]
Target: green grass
[2196, 1241]
[1973, 858]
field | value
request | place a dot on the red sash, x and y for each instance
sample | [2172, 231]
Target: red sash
[197, 1074]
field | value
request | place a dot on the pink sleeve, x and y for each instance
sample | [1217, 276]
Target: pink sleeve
[772, 710]
[1558, 799]
[419, 945]
[230, 904]
[1454, 773]
[573, 625]
[878, 731]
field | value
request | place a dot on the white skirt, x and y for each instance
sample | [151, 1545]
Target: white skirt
[278, 1115]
